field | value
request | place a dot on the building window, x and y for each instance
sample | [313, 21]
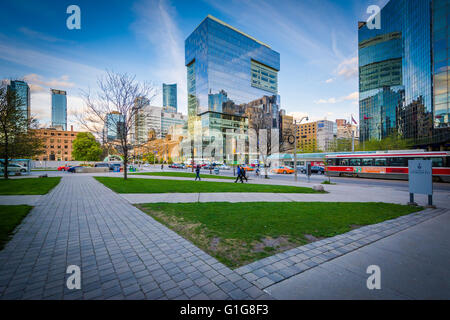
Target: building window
[260, 75]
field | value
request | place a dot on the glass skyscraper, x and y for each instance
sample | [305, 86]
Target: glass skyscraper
[59, 109]
[400, 80]
[228, 71]
[170, 98]
[23, 94]
[114, 126]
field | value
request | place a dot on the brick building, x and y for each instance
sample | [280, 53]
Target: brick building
[57, 144]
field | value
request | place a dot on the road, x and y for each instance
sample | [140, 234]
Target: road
[315, 178]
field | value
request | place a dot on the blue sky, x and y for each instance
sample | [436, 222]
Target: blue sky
[316, 39]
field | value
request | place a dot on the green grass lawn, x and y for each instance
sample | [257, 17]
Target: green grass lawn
[182, 175]
[28, 186]
[135, 185]
[239, 233]
[10, 218]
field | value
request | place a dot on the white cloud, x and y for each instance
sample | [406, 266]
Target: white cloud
[348, 68]
[37, 82]
[354, 96]
[329, 80]
[156, 24]
[39, 35]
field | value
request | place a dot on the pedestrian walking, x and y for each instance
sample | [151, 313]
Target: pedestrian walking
[239, 176]
[244, 175]
[162, 166]
[197, 173]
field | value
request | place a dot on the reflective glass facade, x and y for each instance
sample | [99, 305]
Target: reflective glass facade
[399, 76]
[170, 97]
[226, 71]
[114, 126]
[59, 109]
[23, 92]
[441, 36]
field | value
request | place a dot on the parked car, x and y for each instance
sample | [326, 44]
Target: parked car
[74, 169]
[101, 165]
[224, 167]
[301, 169]
[63, 168]
[112, 166]
[247, 168]
[317, 169]
[314, 169]
[13, 167]
[283, 170]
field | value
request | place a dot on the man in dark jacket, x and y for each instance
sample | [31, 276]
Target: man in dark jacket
[197, 173]
[239, 176]
[243, 175]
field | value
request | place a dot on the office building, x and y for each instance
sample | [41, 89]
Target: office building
[57, 144]
[153, 122]
[22, 91]
[326, 134]
[170, 98]
[307, 137]
[403, 74]
[114, 126]
[227, 70]
[346, 130]
[59, 109]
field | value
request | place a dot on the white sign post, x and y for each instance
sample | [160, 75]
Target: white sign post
[420, 180]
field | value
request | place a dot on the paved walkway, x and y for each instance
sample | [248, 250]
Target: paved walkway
[279, 267]
[122, 252]
[414, 264]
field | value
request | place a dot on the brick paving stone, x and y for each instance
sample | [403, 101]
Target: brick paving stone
[122, 252]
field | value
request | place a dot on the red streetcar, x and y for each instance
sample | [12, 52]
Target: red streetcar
[386, 164]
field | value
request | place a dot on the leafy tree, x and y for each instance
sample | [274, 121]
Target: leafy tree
[149, 157]
[16, 138]
[391, 142]
[341, 145]
[86, 148]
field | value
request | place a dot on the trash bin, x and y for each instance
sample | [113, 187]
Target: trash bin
[216, 170]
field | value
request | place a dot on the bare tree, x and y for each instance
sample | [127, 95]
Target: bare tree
[16, 138]
[111, 113]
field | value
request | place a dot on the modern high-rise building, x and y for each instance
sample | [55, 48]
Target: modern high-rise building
[404, 72]
[59, 109]
[114, 126]
[227, 70]
[153, 121]
[170, 98]
[23, 94]
[326, 134]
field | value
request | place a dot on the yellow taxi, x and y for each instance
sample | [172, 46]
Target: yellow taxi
[283, 170]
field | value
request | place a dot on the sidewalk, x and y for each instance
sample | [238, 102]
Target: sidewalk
[414, 264]
[342, 194]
